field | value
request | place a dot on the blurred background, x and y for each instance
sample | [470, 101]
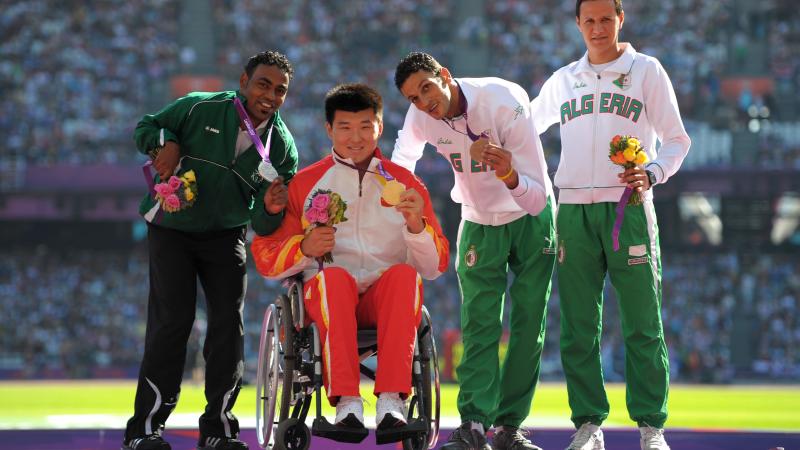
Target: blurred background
[76, 76]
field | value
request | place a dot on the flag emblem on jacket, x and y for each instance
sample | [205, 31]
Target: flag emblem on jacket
[623, 82]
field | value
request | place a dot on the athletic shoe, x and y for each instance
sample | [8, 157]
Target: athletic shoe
[220, 443]
[465, 438]
[149, 442]
[390, 410]
[510, 438]
[652, 438]
[588, 437]
[350, 412]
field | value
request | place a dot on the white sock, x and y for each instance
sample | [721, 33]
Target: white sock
[593, 427]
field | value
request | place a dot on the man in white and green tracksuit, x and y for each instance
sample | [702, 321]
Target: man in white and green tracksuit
[507, 223]
[612, 90]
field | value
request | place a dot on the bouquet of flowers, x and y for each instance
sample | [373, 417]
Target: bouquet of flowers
[627, 151]
[178, 192]
[325, 208]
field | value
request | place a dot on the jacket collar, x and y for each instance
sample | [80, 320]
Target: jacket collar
[621, 65]
[466, 96]
[377, 156]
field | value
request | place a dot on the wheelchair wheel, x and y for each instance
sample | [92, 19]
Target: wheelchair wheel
[275, 370]
[292, 434]
[427, 387]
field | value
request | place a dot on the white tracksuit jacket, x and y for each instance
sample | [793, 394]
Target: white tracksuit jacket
[632, 96]
[500, 109]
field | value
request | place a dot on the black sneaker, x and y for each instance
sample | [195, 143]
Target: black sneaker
[465, 438]
[508, 438]
[221, 443]
[149, 442]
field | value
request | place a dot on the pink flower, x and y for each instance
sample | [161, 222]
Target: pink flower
[320, 201]
[173, 201]
[322, 216]
[163, 189]
[312, 215]
[175, 182]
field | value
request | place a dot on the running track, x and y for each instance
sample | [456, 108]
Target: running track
[549, 439]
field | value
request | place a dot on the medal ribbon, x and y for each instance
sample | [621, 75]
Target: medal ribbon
[251, 131]
[620, 208]
[464, 105]
[381, 171]
[149, 175]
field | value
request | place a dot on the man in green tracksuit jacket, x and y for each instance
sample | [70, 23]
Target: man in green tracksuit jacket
[204, 133]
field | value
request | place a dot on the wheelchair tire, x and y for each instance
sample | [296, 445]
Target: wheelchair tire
[273, 386]
[428, 387]
[286, 339]
[292, 434]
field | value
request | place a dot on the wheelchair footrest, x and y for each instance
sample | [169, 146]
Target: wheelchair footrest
[413, 429]
[322, 428]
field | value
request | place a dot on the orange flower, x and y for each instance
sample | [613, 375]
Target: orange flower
[615, 140]
[618, 158]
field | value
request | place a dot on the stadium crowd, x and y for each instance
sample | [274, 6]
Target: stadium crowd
[73, 88]
[81, 314]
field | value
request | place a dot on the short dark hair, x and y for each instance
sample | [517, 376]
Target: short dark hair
[617, 7]
[413, 63]
[269, 58]
[352, 97]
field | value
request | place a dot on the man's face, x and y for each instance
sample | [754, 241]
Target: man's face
[428, 92]
[355, 134]
[265, 91]
[599, 24]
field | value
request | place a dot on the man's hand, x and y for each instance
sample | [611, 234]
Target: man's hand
[318, 241]
[499, 159]
[276, 197]
[167, 160]
[636, 179]
[412, 206]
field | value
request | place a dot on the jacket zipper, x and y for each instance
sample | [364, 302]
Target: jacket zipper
[595, 115]
[358, 222]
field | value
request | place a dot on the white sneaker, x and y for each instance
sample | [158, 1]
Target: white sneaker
[588, 437]
[349, 410]
[652, 438]
[390, 410]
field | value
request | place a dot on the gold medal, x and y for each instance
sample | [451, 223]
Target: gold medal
[391, 192]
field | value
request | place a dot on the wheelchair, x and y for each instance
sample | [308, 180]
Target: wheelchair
[289, 378]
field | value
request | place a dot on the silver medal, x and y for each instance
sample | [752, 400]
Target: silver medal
[267, 171]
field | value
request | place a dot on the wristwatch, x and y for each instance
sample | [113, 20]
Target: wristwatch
[652, 177]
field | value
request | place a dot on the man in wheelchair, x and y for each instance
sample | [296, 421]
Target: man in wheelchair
[363, 268]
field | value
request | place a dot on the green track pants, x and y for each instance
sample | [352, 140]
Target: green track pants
[585, 254]
[489, 394]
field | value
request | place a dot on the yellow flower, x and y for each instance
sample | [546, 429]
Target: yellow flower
[641, 158]
[189, 194]
[633, 142]
[189, 176]
[629, 154]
